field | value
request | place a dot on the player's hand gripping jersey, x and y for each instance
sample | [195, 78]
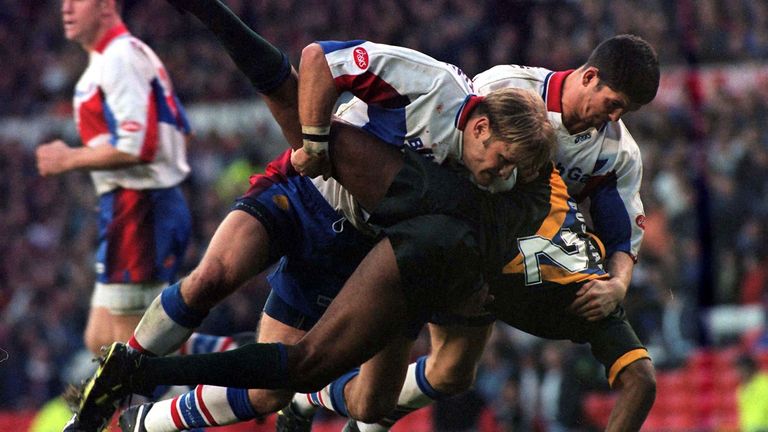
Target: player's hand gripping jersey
[602, 164]
[530, 244]
[125, 99]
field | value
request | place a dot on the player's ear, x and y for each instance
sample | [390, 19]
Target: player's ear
[481, 128]
[108, 6]
[590, 74]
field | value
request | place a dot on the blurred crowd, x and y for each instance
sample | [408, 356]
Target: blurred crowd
[705, 184]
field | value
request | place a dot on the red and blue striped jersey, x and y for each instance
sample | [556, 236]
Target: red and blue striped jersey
[125, 99]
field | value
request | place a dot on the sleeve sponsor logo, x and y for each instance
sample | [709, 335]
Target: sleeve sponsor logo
[640, 221]
[361, 57]
[131, 126]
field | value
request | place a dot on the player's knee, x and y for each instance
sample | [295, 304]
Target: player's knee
[371, 411]
[205, 285]
[454, 384]
[93, 343]
[453, 378]
[370, 406]
[95, 339]
[640, 377]
[269, 401]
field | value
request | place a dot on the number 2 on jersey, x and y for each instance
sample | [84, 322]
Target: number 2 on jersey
[571, 256]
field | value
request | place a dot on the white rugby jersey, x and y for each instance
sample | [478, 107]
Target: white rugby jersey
[603, 164]
[404, 98]
[410, 98]
[125, 99]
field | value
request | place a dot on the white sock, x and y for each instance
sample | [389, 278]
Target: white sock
[304, 405]
[203, 406]
[158, 333]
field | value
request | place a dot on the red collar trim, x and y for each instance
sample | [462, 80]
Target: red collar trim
[555, 91]
[470, 103]
[110, 35]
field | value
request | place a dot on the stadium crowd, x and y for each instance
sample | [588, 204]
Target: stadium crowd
[705, 162]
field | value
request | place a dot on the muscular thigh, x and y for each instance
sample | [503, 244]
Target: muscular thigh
[236, 253]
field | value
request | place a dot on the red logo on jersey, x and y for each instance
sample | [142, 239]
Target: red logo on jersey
[640, 221]
[361, 57]
[131, 126]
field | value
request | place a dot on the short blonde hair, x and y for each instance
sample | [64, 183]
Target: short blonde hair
[519, 117]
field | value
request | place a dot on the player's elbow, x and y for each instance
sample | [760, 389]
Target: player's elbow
[312, 56]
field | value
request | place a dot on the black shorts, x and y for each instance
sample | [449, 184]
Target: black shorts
[543, 311]
[430, 216]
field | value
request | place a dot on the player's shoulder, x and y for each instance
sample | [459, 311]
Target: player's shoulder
[126, 46]
[618, 134]
[618, 147]
[512, 75]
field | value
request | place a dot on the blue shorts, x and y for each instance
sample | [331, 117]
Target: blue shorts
[316, 247]
[143, 235]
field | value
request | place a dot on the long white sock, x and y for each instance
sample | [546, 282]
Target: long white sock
[330, 397]
[166, 324]
[203, 406]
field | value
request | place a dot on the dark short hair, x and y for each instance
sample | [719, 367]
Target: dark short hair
[627, 64]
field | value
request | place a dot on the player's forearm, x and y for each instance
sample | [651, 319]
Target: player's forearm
[263, 63]
[317, 91]
[620, 266]
[102, 157]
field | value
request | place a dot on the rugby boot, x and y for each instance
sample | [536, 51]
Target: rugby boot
[108, 386]
[132, 419]
[289, 420]
[351, 426]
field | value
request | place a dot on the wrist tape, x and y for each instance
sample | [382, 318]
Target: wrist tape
[316, 139]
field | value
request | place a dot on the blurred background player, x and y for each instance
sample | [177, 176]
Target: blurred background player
[134, 133]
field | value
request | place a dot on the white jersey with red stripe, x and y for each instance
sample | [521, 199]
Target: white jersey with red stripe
[410, 98]
[404, 98]
[603, 164]
[125, 99]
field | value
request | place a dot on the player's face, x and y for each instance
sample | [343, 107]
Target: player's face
[604, 104]
[489, 160]
[595, 104]
[82, 20]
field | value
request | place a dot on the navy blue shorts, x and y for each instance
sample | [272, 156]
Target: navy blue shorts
[316, 247]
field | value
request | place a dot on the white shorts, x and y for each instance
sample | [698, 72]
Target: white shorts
[125, 299]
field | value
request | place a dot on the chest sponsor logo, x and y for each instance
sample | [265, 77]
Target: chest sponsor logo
[573, 174]
[131, 126]
[361, 57]
[640, 221]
